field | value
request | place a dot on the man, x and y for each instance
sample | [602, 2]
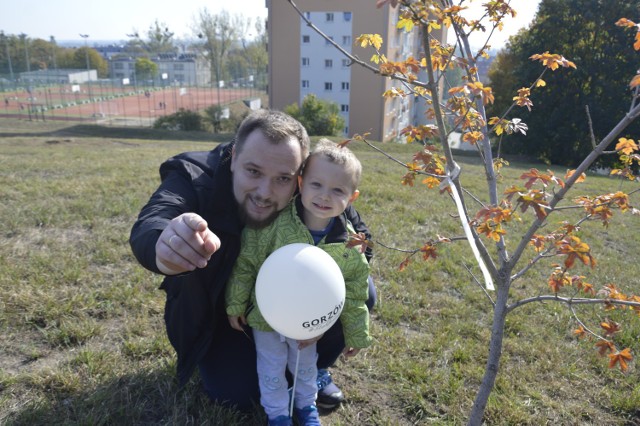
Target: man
[190, 232]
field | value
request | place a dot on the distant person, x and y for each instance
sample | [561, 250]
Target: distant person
[328, 184]
[190, 232]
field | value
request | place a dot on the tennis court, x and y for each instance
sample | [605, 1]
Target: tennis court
[110, 104]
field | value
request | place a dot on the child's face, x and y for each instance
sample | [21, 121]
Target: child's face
[326, 188]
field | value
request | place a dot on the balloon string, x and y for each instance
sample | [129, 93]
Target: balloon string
[295, 379]
[467, 230]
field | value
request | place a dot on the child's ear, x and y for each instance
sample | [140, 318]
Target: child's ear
[354, 196]
[299, 182]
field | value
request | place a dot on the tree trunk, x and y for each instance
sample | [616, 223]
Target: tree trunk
[495, 352]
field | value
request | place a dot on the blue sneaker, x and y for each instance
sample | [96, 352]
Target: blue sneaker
[307, 416]
[329, 395]
[281, 421]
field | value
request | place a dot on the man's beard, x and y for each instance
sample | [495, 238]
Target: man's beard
[253, 223]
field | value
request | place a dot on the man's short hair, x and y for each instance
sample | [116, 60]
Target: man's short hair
[339, 155]
[276, 126]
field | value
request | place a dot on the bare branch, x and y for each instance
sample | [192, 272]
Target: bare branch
[479, 284]
[571, 301]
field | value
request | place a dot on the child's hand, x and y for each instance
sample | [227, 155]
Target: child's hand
[237, 322]
[350, 352]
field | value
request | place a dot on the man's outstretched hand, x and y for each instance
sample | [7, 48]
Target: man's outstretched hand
[185, 244]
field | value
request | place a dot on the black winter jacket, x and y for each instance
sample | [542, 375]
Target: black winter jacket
[198, 182]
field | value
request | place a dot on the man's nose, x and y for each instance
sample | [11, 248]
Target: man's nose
[264, 188]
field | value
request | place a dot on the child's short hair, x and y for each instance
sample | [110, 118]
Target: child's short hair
[338, 155]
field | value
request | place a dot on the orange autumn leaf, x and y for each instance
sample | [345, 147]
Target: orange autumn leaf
[604, 346]
[574, 248]
[404, 264]
[610, 327]
[428, 251]
[580, 332]
[622, 358]
[359, 241]
[431, 182]
[626, 146]
[473, 137]
[537, 241]
[557, 280]
[552, 60]
[624, 22]
[571, 173]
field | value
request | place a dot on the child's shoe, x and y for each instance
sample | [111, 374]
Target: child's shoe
[281, 421]
[307, 416]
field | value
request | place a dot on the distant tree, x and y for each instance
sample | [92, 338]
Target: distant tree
[256, 54]
[218, 34]
[96, 61]
[593, 42]
[159, 39]
[145, 69]
[319, 117]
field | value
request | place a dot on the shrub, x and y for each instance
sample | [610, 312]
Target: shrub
[184, 119]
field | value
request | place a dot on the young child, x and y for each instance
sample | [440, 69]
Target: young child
[327, 185]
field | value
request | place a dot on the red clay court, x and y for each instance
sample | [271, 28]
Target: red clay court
[107, 104]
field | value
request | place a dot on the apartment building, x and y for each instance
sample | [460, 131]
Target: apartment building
[173, 68]
[302, 62]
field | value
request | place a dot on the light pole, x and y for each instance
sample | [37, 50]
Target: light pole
[23, 36]
[52, 40]
[214, 52]
[86, 55]
[250, 77]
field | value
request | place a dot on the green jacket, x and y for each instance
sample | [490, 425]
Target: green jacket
[288, 228]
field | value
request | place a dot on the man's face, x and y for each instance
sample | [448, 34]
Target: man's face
[264, 177]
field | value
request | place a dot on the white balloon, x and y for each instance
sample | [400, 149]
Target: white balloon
[300, 291]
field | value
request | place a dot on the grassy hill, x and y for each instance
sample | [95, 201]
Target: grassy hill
[82, 333]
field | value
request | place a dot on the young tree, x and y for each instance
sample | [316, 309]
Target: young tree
[319, 117]
[539, 199]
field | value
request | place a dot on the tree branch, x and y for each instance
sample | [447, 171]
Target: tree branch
[570, 301]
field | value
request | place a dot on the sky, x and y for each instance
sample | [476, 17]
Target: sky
[114, 19]
[526, 10]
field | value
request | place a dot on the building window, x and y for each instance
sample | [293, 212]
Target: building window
[347, 16]
[329, 17]
[345, 63]
[327, 42]
[344, 107]
[178, 67]
[328, 86]
[305, 38]
[305, 84]
[305, 62]
[345, 85]
[346, 40]
[307, 15]
[328, 63]
[346, 130]
[118, 66]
